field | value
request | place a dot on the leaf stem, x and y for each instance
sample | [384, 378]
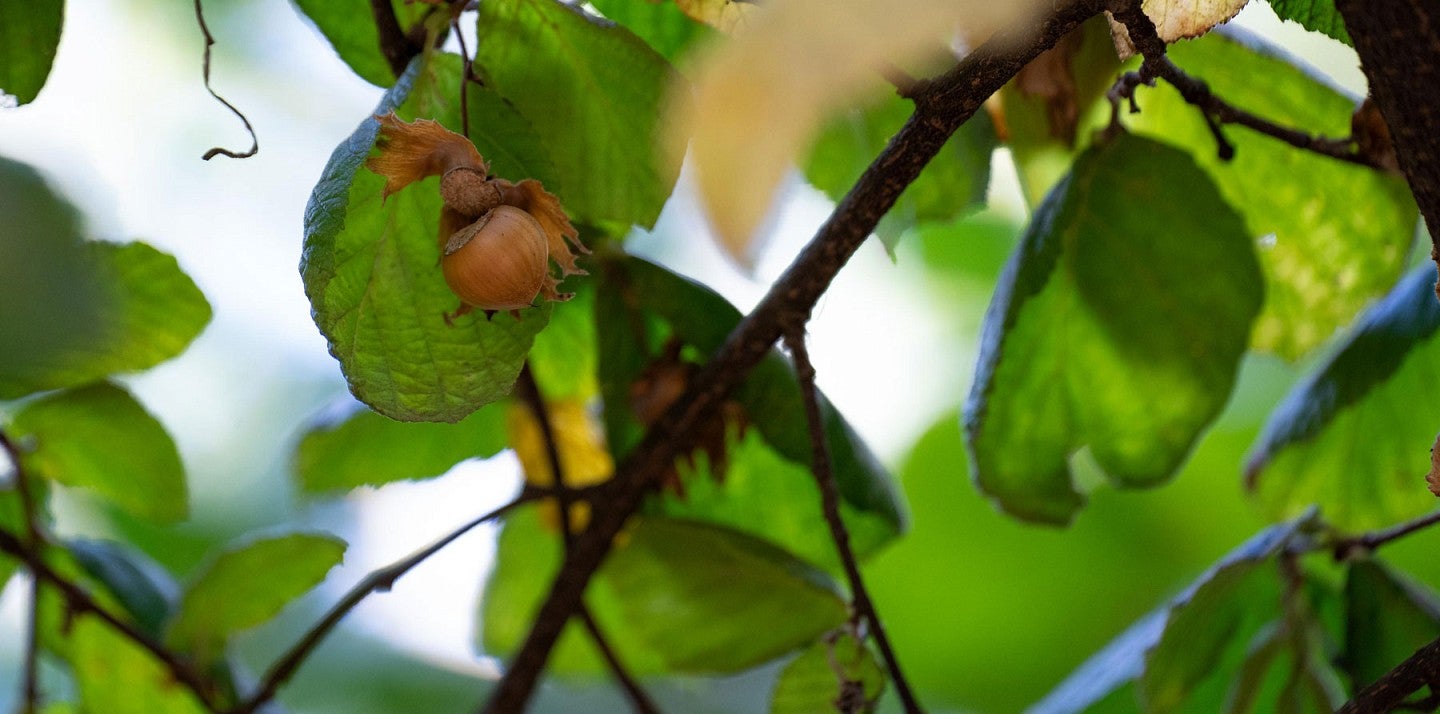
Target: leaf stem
[1346, 548]
[830, 506]
[381, 580]
[205, 72]
[30, 679]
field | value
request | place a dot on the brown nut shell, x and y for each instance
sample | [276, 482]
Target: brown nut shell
[498, 262]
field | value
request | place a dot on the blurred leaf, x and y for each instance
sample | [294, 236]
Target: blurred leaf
[12, 520]
[663, 25]
[1316, 221]
[527, 556]
[564, 356]
[370, 273]
[116, 676]
[579, 442]
[349, 27]
[48, 285]
[247, 584]
[593, 92]
[29, 34]
[1182, 641]
[1352, 437]
[633, 290]
[749, 123]
[150, 313]
[145, 591]
[1314, 15]
[950, 186]
[710, 599]
[1101, 336]
[812, 681]
[1387, 619]
[100, 439]
[347, 446]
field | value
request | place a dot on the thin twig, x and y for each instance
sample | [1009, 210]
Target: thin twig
[30, 679]
[1215, 110]
[830, 506]
[1365, 543]
[940, 108]
[395, 44]
[528, 390]
[217, 151]
[1390, 691]
[80, 601]
[465, 73]
[381, 580]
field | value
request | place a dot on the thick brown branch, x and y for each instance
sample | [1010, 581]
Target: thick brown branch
[1399, 46]
[941, 106]
[830, 506]
[381, 580]
[1390, 691]
[80, 601]
[397, 46]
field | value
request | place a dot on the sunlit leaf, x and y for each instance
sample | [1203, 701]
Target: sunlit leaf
[816, 680]
[592, 91]
[1304, 211]
[710, 599]
[1352, 438]
[1316, 15]
[100, 439]
[348, 446]
[1179, 19]
[350, 29]
[663, 25]
[564, 357]
[951, 185]
[1157, 645]
[749, 122]
[29, 34]
[247, 584]
[1387, 618]
[1103, 334]
[115, 675]
[370, 270]
[149, 312]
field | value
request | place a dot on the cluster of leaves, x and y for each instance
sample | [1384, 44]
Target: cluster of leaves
[1148, 271]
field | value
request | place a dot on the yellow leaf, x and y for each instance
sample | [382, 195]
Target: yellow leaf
[1181, 19]
[759, 99]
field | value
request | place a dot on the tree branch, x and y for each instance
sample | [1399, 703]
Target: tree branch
[1399, 46]
[830, 506]
[941, 106]
[1364, 543]
[394, 43]
[30, 678]
[1215, 110]
[80, 601]
[528, 390]
[381, 580]
[1390, 691]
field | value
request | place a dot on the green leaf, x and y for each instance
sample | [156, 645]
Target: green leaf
[348, 446]
[150, 312]
[564, 356]
[663, 25]
[1107, 334]
[710, 599]
[1387, 618]
[247, 584]
[49, 286]
[29, 34]
[816, 680]
[116, 676]
[141, 588]
[594, 92]
[1219, 592]
[349, 27]
[1316, 221]
[633, 294]
[370, 271]
[100, 439]
[1352, 437]
[952, 185]
[1314, 15]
